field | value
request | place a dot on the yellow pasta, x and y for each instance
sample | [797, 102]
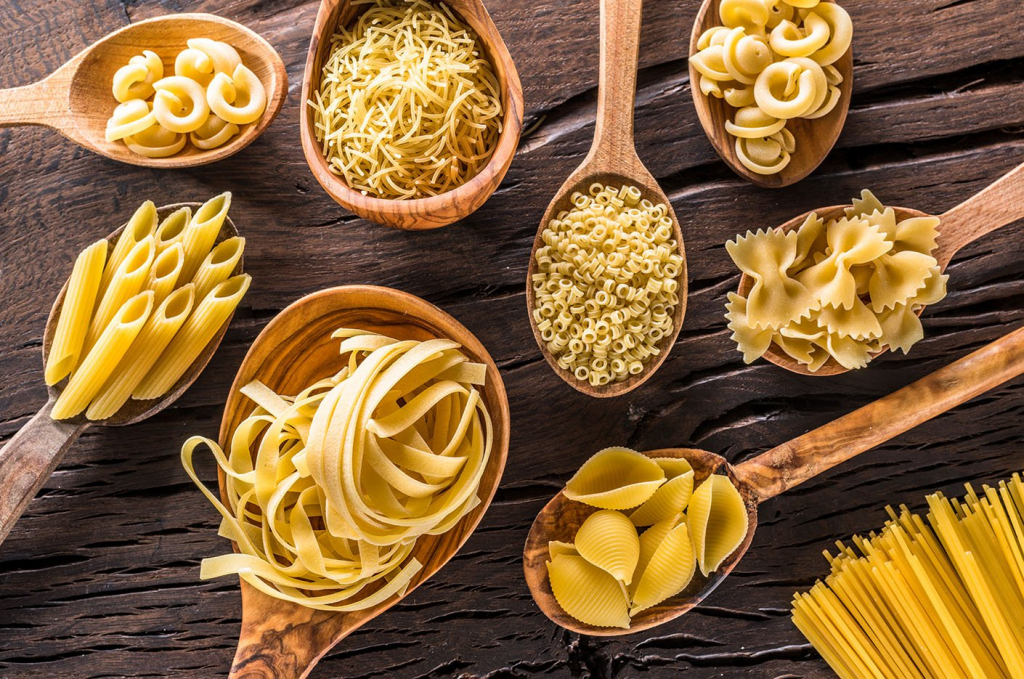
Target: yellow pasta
[609, 540]
[135, 79]
[238, 99]
[127, 280]
[202, 231]
[131, 117]
[650, 540]
[213, 133]
[164, 275]
[103, 357]
[180, 104]
[588, 593]
[775, 298]
[717, 520]
[141, 224]
[194, 64]
[224, 57]
[668, 571]
[218, 265]
[556, 547]
[668, 501]
[615, 478]
[172, 229]
[156, 141]
[76, 312]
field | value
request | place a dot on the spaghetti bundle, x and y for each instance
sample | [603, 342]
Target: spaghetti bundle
[934, 597]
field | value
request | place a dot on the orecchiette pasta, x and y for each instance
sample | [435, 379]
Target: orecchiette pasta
[868, 273]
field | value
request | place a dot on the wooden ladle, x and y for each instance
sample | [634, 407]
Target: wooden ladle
[613, 161]
[778, 470]
[814, 138]
[999, 204]
[433, 211]
[28, 459]
[76, 99]
[282, 639]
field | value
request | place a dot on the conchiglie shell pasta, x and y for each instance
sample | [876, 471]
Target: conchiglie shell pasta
[588, 593]
[609, 540]
[650, 540]
[668, 572]
[667, 501]
[673, 466]
[556, 547]
[238, 99]
[615, 478]
[717, 520]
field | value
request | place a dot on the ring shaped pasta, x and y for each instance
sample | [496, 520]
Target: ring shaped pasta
[745, 56]
[750, 122]
[748, 13]
[156, 141]
[224, 57]
[195, 65]
[131, 117]
[238, 99]
[180, 104]
[135, 79]
[615, 478]
[841, 30]
[791, 88]
[213, 133]
[790, 41]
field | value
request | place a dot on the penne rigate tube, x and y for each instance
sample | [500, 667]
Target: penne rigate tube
[165, 273]
[218, 265]
[141, 225]
[125, 283]
[200, 328]
[201, 233]
[108, 351]
[172, 228]
[75, 313]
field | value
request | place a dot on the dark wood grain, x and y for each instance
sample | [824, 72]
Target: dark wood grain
[100, 576]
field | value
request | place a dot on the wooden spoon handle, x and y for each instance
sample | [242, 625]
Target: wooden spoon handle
[27, 461]
[41, 103]
[998, 205]
[792, 463]
[620, 46]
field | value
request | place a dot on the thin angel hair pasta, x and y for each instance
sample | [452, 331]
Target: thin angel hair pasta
[75, 312]
[717, 520]
[668, 572]
[588, 593]
[668, 501]
[609, 540]
[126, 282]
[218, 265]
[615, 478]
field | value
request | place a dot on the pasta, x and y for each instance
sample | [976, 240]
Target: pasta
[127, 281]
[931, 597]
[218, 265]
[841, 290]
[202, 231]
[159, 114]
[609, 540]
[668, 572]
[668, 501]
[588, 593]
[615, 478]
[607, 281]
[329, 490]
[771, 60]
[408, 105]
[75, 312]
[717, 521]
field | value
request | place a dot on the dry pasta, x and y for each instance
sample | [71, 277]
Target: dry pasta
[934, 596]
[329, 490]
[75, 312]
[607, 282]
[615, 478]
[408, 104]
[842, 290]
[218, 265]
[202, 231]
[717, 521]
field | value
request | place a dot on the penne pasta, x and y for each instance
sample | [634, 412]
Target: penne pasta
[218, 265]
[210, 315]
[172, 228]
[104, 356]
[202, 231]
[127, 282]
[154, 337]
[141, 224]
[165, 272]
[75, 313]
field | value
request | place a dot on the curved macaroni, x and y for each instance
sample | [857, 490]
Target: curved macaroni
[238, 99]
[180, 104]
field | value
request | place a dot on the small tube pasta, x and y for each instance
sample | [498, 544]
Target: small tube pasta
[202, 231]
[195, 65]
[180, 104]
[223, 56]
[131, 117]
[218, 265]
[190, 341]
[213, 133]
[75, 312]
[165, 273]
[103, 357]
[135, 79]
[126, 283]
[238, 99]
[156, 141]
[172, 228]
[153, 338]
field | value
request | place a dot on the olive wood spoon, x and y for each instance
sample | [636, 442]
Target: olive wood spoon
[28, 459]
[76, 99]
[283, 639]
[814, 138]
[779, 469]
[433, 211]
[613, 160]
[999, 204]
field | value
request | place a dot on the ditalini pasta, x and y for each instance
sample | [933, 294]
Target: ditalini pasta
[771, 61]
[607, 284]
[160, 112]
[841, 290]
[328, 491]
[609, 572]
[146, 262]
[930, 597]
[408, 104]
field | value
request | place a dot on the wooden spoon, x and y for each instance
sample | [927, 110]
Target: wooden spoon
[613, 160]
[76, 99]
[999, 204]
[420, 213]
[282, 639]
[778, 470]
[814, 138]
[28, 459]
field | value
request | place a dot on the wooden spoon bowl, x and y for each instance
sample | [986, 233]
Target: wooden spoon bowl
[814, 138]
[28, 459]
[777, 470]
[433, 211]
[613, 161]
[77, 102]
[280, 638]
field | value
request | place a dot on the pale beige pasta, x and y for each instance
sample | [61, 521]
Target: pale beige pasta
[156, 141]
[201, 233]
[751, 341]
[748, 13]
[179, 104]
[556, 547]
[195, 65]
[172, 228]
[141, 224]
[858, 322]
[766, 155]
[789, 40]
[135, 79]
[791, 88]
[76, 312]
[218, 265]
[668, 572]
[840, 30]
[745, 55]
[898, 277]
[775, 299]
[588, 593]
[190, 341]
[165, 274]
[127, 281]
[609, 540]
[717, 520]
[668, 501]
[101, 360]
[152, 339]
[850, 242]
[750, 122]
[223, 56]
[615, 478]
[131, 117]
[213, 133]
[238, 99]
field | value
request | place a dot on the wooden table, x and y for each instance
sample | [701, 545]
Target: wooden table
[100, 577]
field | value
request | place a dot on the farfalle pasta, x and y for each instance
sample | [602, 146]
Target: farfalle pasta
[843, 290]
[771, 60]
[205, 99]
[610, 572]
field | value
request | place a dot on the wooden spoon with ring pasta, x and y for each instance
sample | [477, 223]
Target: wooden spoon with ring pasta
[284, 639]
[814, 138]
[76, 99]
[999, 204]
[433, 211]
[777, 470]
[28, 459]
[613, 161]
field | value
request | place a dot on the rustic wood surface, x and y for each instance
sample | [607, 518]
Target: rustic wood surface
[100, 575]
